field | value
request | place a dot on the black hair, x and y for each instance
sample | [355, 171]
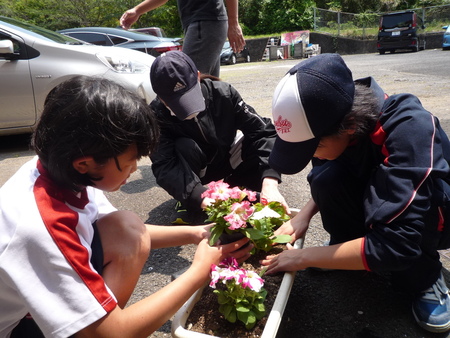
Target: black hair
[88, 116]
[363, 115]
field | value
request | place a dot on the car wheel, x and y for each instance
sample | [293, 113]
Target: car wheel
[415, 49]
[382, 52]
[233, 59]
[248, 58]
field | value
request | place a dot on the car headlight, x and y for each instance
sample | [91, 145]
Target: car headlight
[122, 64]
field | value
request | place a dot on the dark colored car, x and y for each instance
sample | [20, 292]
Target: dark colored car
[229, 57]
[105, 36]
[399, 31]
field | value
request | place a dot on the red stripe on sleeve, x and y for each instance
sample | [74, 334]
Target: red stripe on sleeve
[61, 223]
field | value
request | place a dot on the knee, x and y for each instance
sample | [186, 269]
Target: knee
[136, 233]
[124, 235]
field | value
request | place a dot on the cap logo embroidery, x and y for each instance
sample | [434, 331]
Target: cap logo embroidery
[283, 125]
[178, 86]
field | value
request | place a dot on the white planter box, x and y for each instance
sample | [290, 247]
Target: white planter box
[273, 321]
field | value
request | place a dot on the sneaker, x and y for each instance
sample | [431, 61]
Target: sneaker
[181, 215]
[432, 307]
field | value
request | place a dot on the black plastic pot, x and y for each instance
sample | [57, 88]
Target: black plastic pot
[226, 238]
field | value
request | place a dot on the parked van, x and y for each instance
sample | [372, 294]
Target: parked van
[400, 30]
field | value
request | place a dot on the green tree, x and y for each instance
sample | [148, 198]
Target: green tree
[285, 16]
[249, 15]
[165, 17]
[55, 14]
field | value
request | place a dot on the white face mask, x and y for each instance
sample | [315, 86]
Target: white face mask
[190, 117]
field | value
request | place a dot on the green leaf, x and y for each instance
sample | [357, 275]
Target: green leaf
[222, 299]
[249, 319]
[263, 293]
[232, 317]
[241, 308]
[226, 310]
[254, 234]
[282, 239]
[215, 234]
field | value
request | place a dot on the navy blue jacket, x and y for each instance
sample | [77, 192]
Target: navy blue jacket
[407, 163]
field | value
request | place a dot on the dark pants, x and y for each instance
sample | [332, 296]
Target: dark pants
[338, 192]
[203, 42]
[27, 327]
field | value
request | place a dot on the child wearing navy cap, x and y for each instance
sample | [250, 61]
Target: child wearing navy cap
[208, 133]
[379, 180]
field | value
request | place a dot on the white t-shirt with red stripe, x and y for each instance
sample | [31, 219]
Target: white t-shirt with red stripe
[45, 250]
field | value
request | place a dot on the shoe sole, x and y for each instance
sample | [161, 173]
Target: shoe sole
[430, 327]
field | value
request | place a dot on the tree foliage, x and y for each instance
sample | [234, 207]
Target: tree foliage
[257, 17]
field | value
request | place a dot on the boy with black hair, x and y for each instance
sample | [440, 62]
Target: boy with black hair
[68, 258]
[379, 180]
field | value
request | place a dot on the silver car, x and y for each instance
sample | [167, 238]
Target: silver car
[34, 60]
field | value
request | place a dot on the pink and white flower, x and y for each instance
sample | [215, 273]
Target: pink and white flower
[240, 212]
[218, 190]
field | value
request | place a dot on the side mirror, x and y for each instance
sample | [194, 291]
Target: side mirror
[7, 50]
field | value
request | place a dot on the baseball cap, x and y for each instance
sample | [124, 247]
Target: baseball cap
[311, 99]
[174, 79]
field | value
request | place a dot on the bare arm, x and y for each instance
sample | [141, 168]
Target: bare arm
[145, 316]
[235, 36]
[167, 236]
[298, 225]
[132, 15]
[344, 256]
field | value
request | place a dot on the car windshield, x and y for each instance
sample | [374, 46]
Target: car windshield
[226, 45]
[42, 32]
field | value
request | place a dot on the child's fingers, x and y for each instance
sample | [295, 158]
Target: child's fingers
[235, 245]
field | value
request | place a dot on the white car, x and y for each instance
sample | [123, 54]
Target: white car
[34, 60]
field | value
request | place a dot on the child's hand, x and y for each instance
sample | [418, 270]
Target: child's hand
[285, 261]
[242, 253]
[207, 255]
[295, 230]
[201, 232]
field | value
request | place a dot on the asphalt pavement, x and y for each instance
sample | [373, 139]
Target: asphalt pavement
[322, 304]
